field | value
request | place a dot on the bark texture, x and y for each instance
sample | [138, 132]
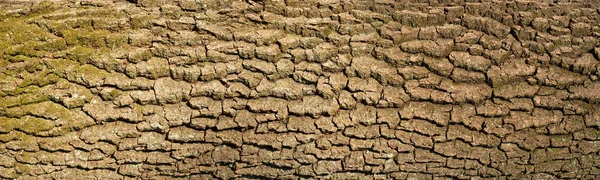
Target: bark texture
[290, 89]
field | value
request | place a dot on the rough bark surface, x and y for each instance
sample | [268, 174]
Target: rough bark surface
[288, 89]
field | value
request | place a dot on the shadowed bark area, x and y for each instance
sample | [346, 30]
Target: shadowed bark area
[289, 89]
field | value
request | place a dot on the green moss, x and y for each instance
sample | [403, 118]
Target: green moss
[96, 38]
[69, 94]
[138, 109]
[33, 118]
[84, 16]
[93, 38]
[60, 66]
[24, 41]
[22, 99]
[139, 55]
[10, 72]
[29, 156]
[141, 22]
[44, 7]
[44, 109]
[103, 12]
[17, 58]
[54, 26]
[55, 111]
[41, 77]
[4, 44]
[8, 124]
[71, 36]
[114, 93]
[111, 24]
[116, 40]
[151, 3]
[34, 125]
[17, 91]
[48, 79]
[109, 61]
[73, 121]
[18, 31]
[52, 45]
[16, 136]
[80, 54]
[21, 30]
[25, 49]
[88, 73]
[12, 135]
[23, 168]
[78, 23]
[28, 77]
[76, 36]
[35, 65]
